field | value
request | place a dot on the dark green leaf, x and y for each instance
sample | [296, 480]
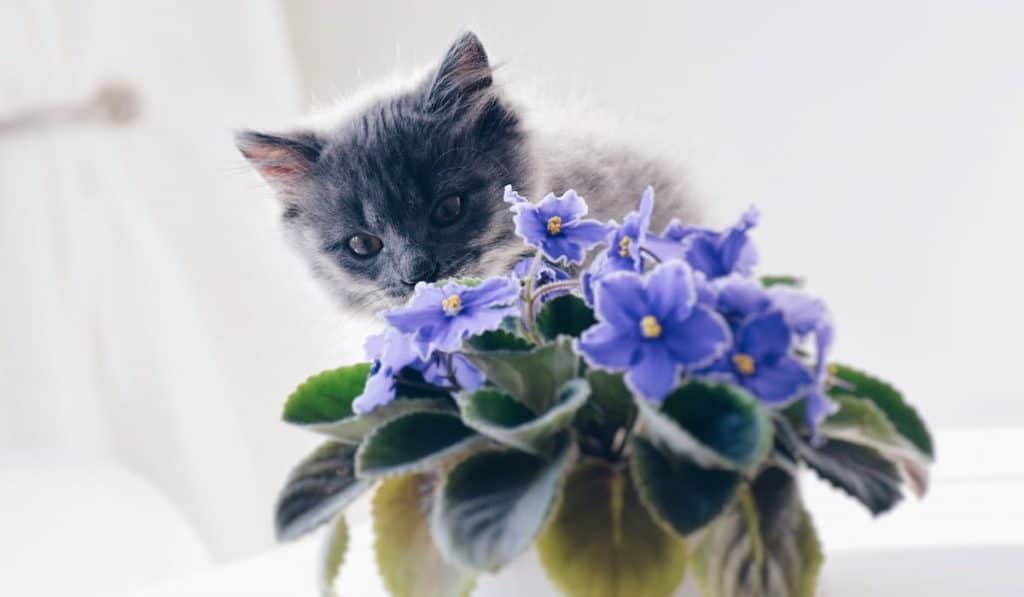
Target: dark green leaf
[764, 545]
[602, 541]
[353, 428]
[410, 564]
[500, 340]
[714, 425]
[500, 417]
[565, 315]
[607, 412]
[414, 442]
[333, 556]
[317, 489]
[327, 396]
[769, 281]
[679, 492]
[493, 504]
[859, 471]
[851, 382]
[533, 377]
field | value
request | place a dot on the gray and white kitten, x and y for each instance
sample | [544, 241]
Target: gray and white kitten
[407, 186]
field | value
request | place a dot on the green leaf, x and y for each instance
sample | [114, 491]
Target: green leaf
[333, 556]
[862, 422]
[412, 443]
[326, 396]
[353, 429]
[410, 564]
[607, 412]
[907, 421]
[715, 425]
[763, 546]
[500, 417]
[533, 377]
[565, 315]
[317, 489]
[782, 280]
[501, 340]
[602, 542]
[493, 504]
[678, 492]
[859, 471]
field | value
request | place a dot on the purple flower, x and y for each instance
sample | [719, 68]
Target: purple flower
[555, 226]
[652, 328]
[393, 352]
[819, 406]
[714, 254]
[440, 318]
[625, 242]
[760, 360]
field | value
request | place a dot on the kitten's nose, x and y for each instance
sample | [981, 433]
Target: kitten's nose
[419, 270]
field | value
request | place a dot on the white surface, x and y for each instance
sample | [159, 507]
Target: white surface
[964, 538]
[883, 141]
[74, 527]
[151, 314]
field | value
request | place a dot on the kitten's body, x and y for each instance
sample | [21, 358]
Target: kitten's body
[376, 165]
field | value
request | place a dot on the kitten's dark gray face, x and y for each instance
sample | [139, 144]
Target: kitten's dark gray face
[410, 190]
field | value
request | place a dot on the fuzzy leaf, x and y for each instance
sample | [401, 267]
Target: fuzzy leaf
[908, 423]
[326, 396]
[493, 504]
[333, 556]
[500, 417]
[500, 340]
[317, 489]
[565, 315]
[714, 425]
[607, 412]
[410, 564]
[413, 442]
[533, 377]
[602, 542]
[353, 428]
[764, 545]
[677, 491]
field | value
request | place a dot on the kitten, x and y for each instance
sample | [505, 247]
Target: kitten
[407, 186]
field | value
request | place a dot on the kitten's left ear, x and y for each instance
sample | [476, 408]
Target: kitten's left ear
[464, 74]
[283, 160]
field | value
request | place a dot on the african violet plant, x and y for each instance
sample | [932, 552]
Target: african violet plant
[634, 405]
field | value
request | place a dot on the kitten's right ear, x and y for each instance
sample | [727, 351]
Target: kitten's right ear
[282, 160]
[463, 75]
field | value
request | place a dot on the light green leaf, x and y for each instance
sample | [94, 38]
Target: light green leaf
[500, 417]
[333, 556]
[851, 382]
[409, 562]
[602, 542]
[763, 546]
[782, 280]
[565, 315]
[714, 425]
[318, 488]
[682, 494]
[493, 504]
[326, 396]
[414, 442]
[533, 377]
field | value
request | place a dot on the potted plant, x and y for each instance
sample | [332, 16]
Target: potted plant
[635, 406]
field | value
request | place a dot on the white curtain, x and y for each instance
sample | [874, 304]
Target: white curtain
[151, 314]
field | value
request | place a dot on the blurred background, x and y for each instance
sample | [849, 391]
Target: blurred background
[153, 320]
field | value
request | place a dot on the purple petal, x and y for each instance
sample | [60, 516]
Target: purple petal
[571, 206]
[467, 376]
[801, 310]
[621, 299]
[654, 374]
[606, 346]
[698, 339]
[764, 337]
[513, 197]
[779, 381]
[502, 290]
[379, 390]
[587, 232]
[671, 292]
[703, 255]
[740, 298]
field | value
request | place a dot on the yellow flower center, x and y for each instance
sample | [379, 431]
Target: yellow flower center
[743, 363]
[624, 246]
[451, 304]
[649, 327]
[554, 225]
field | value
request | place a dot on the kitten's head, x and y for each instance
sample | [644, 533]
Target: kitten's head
[407, 189]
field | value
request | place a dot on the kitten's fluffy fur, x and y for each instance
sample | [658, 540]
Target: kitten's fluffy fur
[381, 162]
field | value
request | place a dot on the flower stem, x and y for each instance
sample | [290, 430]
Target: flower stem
[528, 316]
[552, 287]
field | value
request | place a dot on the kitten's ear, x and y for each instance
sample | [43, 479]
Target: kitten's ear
[464, 74]
[283, 160]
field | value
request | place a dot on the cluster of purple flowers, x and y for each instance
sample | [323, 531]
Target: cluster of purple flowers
[682, 303]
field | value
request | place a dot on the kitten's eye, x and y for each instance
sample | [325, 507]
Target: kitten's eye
[446, 212]
[365, 245]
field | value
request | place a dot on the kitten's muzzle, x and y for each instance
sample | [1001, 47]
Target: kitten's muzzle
[419, 270]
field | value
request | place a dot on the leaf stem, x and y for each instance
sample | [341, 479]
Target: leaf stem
[529, 316]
